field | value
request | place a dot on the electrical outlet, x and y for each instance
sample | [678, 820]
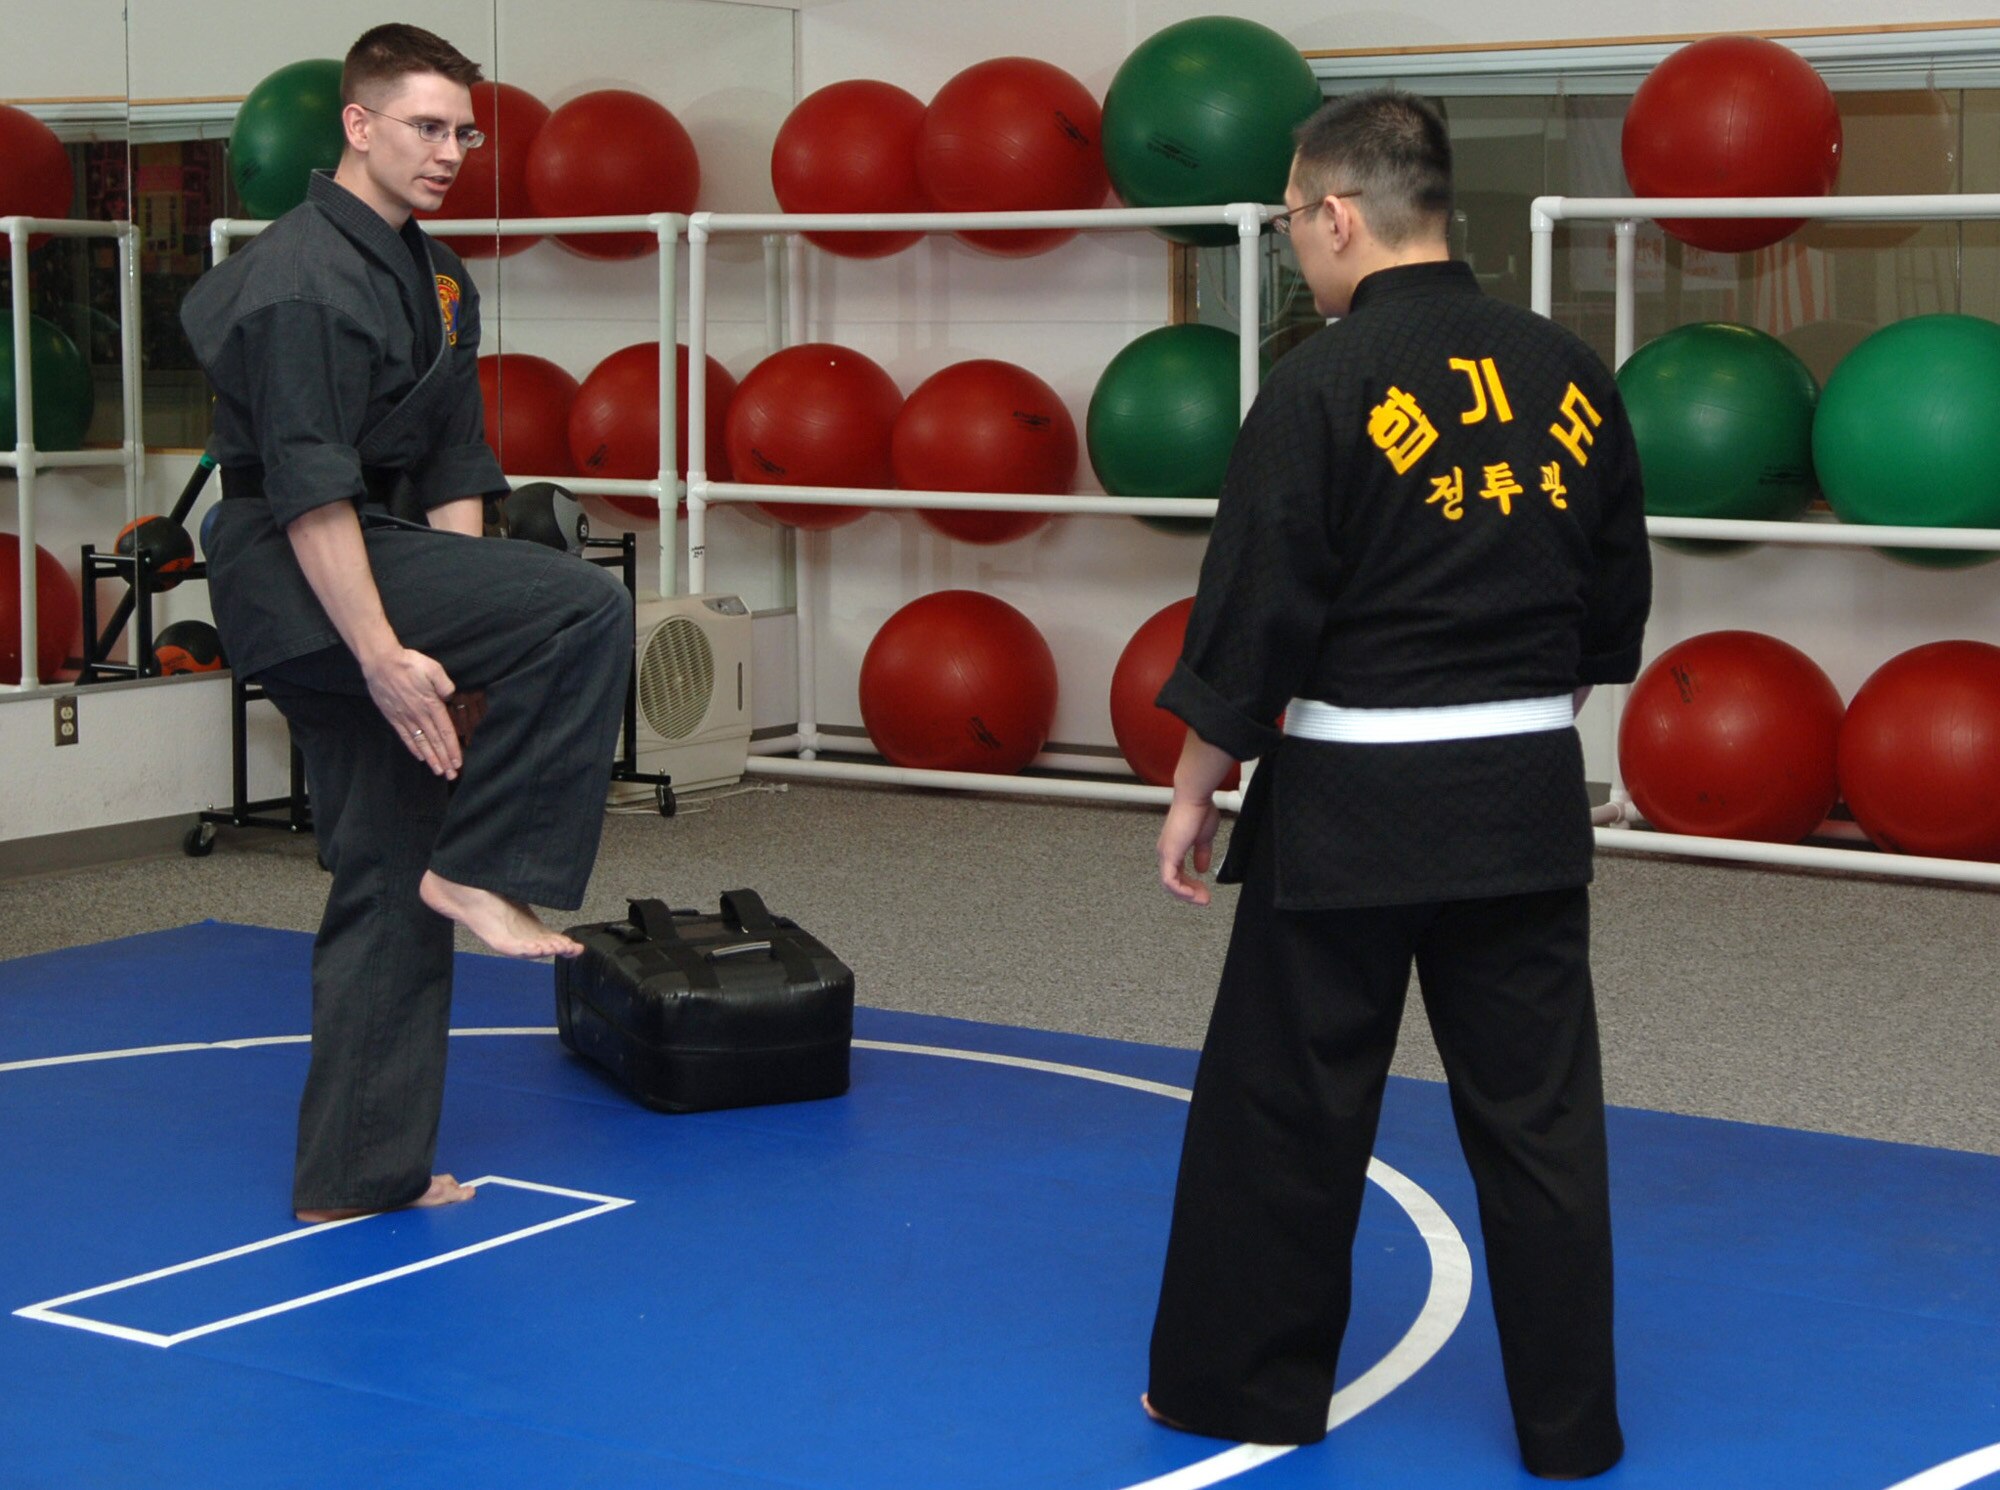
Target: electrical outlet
[65, 719]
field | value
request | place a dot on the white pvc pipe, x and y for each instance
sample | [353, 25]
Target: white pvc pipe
[1821, 532]
[697, 463]
[130, 380]
[795, 290]
[1798, 856]
[668, 230]
[1250, 296]
[1938, 207]
[24, 454]
[974, 781]
[1101, 218]
[1625, 234]
[896, 497]
[51, 459]
[1541, 260]
[805, 548]
[774, 300]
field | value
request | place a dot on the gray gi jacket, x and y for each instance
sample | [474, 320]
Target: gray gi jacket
[344, 357]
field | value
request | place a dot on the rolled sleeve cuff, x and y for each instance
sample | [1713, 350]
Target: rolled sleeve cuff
[460, 472]
[316, 476]
[1213, 717]
[1621, 666]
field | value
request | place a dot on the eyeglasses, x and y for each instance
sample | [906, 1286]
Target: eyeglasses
[436, 131]
[1282, 223]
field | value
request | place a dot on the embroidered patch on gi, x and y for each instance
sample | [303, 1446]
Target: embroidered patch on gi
[448, 297]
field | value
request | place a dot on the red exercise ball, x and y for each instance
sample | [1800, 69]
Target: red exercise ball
[1920, 752]
[36, 179]
[527, 401]
[58, 612]
[959, 681]
[1013, 135]
[989, 426]
[852, 147]
[1148, 736]
[1731, 735]
[493, 180]
[612, 153]
[1732, 116]
[813, 415]
[614, 425]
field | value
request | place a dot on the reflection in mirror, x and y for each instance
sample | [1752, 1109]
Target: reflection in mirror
[63, 155]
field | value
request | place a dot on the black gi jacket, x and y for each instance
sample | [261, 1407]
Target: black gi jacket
[1436, 500]
[344, 356]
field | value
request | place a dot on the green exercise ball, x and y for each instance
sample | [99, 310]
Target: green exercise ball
[287, 128]
[1907, 432]
[1203, 112]
[1723, 418]
[1163, 418]
[65, 396]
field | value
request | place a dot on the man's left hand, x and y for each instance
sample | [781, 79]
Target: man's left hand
[466, 707]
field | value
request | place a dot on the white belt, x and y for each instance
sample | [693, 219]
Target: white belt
[1310, 719]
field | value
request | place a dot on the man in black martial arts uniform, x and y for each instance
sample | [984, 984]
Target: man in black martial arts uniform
[343, 347]
[1430, 543]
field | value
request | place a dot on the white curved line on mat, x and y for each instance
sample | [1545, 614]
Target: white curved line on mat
[1444, 1306]
[1966, 1469]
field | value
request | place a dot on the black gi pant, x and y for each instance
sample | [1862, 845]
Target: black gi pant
[549, 638]
[1258, 1281]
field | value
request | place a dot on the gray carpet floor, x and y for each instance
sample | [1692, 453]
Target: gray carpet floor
[1863, 1006]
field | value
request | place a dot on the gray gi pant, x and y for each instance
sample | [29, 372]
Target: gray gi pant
[1257, 1284]
[548, 637]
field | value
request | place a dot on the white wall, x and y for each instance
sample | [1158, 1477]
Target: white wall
[70, 51]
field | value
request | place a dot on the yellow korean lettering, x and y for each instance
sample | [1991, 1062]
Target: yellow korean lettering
[1401, 430]
[1501, 487]
[1582, 419]
[1483, 376]
[1552, 483]
[1449, 490]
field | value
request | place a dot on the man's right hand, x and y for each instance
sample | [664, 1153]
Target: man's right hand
[410, 689]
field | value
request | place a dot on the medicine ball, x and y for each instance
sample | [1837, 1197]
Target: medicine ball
[545, 513]
[163, 546]
[188, 647]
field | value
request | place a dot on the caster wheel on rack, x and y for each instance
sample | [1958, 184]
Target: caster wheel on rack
[663, 798]
[199, 841]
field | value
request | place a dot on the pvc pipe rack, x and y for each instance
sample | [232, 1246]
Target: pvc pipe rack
[807, 742]
[24, 460]
[1625, 214]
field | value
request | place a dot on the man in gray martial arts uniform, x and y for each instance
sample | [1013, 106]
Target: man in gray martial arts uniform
[343, 347]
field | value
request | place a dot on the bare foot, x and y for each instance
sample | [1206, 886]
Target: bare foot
[444, 1190]
[507, 926]
[1156, 1415]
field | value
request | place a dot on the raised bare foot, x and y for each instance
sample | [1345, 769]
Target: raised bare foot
[507, 926]
[444, 1190]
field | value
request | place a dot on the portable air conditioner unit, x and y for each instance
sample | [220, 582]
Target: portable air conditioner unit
[691, 666]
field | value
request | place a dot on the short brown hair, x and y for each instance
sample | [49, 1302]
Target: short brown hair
[386, 54]
[1392, 150]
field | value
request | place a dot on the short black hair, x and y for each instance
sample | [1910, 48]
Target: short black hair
[384, 55]
[1390, 149]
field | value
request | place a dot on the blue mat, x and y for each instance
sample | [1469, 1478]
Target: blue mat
[943, 1279]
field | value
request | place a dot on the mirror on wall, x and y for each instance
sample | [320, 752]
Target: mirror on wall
[63, 154]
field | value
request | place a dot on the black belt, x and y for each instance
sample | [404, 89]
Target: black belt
[248, 481]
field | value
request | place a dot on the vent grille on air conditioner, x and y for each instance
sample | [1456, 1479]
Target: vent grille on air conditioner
[676, 678]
